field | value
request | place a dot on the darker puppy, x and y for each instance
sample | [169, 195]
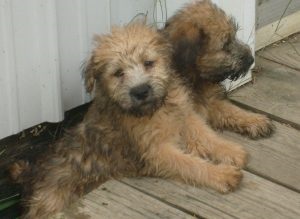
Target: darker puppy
[206, 51]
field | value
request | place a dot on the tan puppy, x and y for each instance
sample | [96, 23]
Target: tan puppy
[141, 122]
[206, 51]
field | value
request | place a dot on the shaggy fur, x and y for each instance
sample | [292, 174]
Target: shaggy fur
[206, 51]
[141, 122]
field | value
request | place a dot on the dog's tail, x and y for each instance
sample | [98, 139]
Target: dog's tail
[18, 170]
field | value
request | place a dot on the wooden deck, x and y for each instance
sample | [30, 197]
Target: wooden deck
[271, 184]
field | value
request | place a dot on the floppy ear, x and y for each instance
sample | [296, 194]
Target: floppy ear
[88, 73]
[187, 48]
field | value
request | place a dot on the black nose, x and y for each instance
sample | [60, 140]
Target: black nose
[249, 60]
[140, 92]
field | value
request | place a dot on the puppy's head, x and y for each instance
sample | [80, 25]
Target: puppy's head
[130, 67]
[205, 43]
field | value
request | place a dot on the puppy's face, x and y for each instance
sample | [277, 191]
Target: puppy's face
[223, 56]
[130, 67]
[205, 43]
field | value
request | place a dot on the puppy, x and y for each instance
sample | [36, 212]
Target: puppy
[206, 51]
[141, 123]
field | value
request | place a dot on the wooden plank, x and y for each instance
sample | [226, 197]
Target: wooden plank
[275, 90]
[277, 157]
[118, 201]
[257, 198]
[269, 11]
[287, 52]
[269, 34]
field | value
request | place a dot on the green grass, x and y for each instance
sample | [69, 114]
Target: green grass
[8, 202]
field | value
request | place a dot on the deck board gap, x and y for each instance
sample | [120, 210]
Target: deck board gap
[279, 63]
[164, 201]
[250, 170]
[270, 115]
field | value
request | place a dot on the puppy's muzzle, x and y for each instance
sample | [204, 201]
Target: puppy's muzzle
[141, 93]
[248, 61]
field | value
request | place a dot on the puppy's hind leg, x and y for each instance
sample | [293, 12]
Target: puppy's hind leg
[222, 114]
[50, 190]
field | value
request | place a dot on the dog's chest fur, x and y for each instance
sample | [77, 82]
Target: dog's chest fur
[167, 122]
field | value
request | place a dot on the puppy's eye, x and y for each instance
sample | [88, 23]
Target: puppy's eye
[119, 73]
[149, 64]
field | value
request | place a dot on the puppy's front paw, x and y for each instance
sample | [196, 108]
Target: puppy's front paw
[200, 151]
[237, 157]
[231, 154]
[259, 126]
[225, 178]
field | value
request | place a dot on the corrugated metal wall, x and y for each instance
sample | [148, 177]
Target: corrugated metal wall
[44, 42]
[29, 64]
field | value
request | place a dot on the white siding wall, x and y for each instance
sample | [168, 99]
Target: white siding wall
[42, 46]
[29, 65]
[44, 42]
